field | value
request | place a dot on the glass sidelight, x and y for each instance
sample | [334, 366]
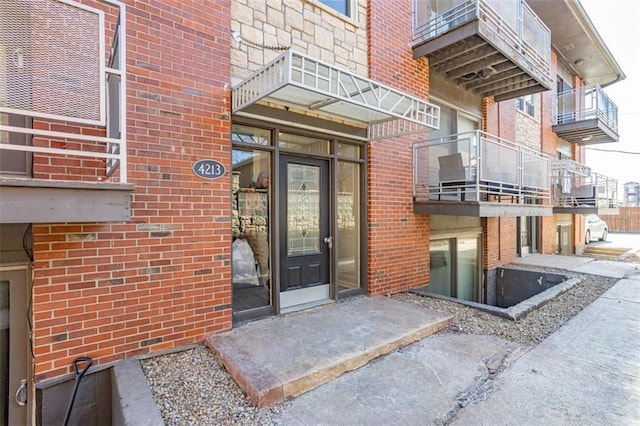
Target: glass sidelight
[348, 228]
[251, 249]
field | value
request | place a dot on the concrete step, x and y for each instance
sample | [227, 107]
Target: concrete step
[282, 357]
[603, 251]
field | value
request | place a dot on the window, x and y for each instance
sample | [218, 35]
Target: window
[342, 6]
[15, 163]
[455, 268]
[526, 104]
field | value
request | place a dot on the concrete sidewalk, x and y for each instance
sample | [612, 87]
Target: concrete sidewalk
[588, 372]
[583, 264]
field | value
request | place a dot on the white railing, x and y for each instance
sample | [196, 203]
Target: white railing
[341, 93]
[74, 124]
[585, 103]
[477, 166]
[512, 21]
[575, 185]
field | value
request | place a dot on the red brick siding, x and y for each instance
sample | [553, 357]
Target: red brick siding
[398, 239]
[490, 116]
[116, 290]
[549, 145]
[500, 241]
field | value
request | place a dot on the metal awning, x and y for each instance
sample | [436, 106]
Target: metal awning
[299, 82]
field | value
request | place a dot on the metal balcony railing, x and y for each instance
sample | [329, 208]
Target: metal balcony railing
[575, 185]
[512, 21]
[479, 167]
[585, 103]
[72, 87]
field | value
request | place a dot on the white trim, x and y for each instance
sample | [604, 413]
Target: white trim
[54, 134]
[120, 140]
[44, 150]
[47, 116]
[122, 63]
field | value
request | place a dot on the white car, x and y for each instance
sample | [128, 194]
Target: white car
[596, 229]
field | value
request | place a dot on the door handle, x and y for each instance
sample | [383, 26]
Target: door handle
[21, 393]
[328, 241]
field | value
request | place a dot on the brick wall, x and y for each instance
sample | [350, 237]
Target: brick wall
[507, 119]
[500, 241]
[499, 233]
[490, 116]
[549, 145]
[116, 290]
[398, 238]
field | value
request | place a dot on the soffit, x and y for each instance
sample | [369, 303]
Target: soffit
[577, 41]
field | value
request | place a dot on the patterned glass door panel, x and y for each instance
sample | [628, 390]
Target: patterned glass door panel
[303, 209]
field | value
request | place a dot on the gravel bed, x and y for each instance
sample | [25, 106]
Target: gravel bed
[529, 330]
[192, 388]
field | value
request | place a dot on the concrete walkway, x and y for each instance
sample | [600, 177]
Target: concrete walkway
[279, 358]
[587, 373]
[586, 265]
[375, 360]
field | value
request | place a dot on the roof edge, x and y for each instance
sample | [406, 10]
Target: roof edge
[585, 22]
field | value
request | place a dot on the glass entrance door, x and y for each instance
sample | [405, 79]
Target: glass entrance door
[14, 345]
[305, 239]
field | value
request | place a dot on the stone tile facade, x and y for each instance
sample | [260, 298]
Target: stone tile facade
[306, 26]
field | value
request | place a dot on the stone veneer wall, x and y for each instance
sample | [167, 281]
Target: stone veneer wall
[528, 127]
[306, 26]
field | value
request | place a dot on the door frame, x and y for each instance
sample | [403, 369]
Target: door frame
[532, 225]
[334, 157]
[319, 294]
[453, 239]
[25, 325]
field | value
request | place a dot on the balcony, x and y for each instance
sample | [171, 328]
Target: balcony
[481, 175]
[577, 190]
[496, 48]
[63, 112]
[585, 116]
